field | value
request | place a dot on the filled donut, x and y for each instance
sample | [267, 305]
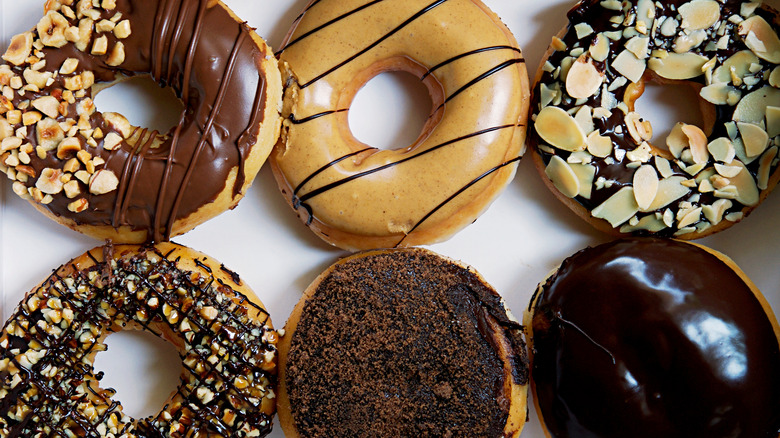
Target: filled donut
[401, 343]
[653, 338]
[358, 197]
[98, 174]
[48, 385]
[598, 154]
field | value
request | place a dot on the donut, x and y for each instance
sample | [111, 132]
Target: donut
[96, 173]
[598, 154]
[224, 336]
[401, 342]
[358, 197]
[647, 337]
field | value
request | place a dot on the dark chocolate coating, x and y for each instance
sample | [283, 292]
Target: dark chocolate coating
[653, 338]
[398, 344]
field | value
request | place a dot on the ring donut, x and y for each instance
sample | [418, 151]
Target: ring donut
[98, 174]
[221, 330]
[598, 155]
[358, 197]
[653, 337]
[362, 356]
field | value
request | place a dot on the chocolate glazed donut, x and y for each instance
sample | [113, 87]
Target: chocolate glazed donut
[95, 172]
[654, 338]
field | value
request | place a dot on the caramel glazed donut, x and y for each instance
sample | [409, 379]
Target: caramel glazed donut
[358, 197]
[96, 173]
[595, 150]
[651, 338]
[402, 343]
[48, 385]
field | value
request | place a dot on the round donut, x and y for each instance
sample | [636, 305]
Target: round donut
[95, 172]
[653, 338]
[598, 155]
[401, 342]
[48, 385]
[358, 197]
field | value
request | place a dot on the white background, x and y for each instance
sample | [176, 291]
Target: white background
[523, 235]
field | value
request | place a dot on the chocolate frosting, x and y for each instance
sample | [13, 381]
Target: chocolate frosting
[398, 344]
[212, 64]
[652, 338]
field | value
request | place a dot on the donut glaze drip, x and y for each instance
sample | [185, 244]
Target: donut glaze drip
[647, 338]
[212, 65]
[399, 345]
[359, 197]
[48, 384]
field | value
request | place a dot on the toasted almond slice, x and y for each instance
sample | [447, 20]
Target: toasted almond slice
[747, 191]
[699, 14]
[561, 175]
[583, 79]
[714, 213]
[676, 141]
[663, 166]
[678, 65]
[688, 41]
[690, 218]
[584, 118]
[774, 78]
[618, 208]
[760, 38]
[560, 129]
[628, 65]
[727, 171]
[773, 121]
[765, 168]
[598, 145]
[586, 173]
[697, 142]
[645, 186]
[645, 13]
[721, 149]
[752, 107]
[716, 93]
[639, 46]
[641, 154]
[669, 190]
[754, 138]
[648, 223]
[599, 48]
[740, 61]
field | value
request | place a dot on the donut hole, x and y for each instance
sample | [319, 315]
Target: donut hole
[666, 105]
[142, 368]
[143, 102]
[398, 122]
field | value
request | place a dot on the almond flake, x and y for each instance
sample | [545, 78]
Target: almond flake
[765, 167]
[645, 186]
[699, 14]
[560, 129]
[562, 176]
[754, 138]
[618, 208]
[760, 38]
[628, 65]
[583, 79]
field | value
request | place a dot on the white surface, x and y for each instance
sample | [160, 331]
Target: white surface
[523, 235]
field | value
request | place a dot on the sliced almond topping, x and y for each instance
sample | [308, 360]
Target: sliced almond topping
[754, 138]
[598, 145]
[599, 48]
[678, 65]
[562, 176]
[687, 41]
[697, 142]
[19, 49]
[49, 182]
[645, 186]
[772, 121]
[618, 208]
[721, 149]
[649, 223]
[640, 130]
[586, 174]
[747, 191]
[639, 46]
[557, 44]
[641, 154]
[583, 79]
[727, 171]
[584, 118]
[774, 78]
[699, 14]
[765, 168]
[560, 129]
[103, 181]
[628, 65]
[717, 93]
[752, 108]
[738, 63]
[714, 213]
[669, 190]
[760, 38]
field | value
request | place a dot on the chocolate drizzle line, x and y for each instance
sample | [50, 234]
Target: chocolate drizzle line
[109, 303]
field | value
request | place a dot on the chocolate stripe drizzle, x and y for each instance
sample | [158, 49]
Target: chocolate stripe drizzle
[465, 54]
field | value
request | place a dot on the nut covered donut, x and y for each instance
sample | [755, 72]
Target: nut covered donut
[599, 156]
[402, 343]
[652, 338]
[98, 174]
[358, 197]
[48, 385]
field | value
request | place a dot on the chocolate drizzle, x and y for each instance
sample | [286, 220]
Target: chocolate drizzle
[651, 338]
[165, 177]
[50, 339]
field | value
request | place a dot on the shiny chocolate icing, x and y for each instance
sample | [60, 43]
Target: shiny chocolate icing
[653, 338]
[212, 64]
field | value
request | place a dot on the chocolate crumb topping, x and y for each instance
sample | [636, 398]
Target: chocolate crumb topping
[399, 344]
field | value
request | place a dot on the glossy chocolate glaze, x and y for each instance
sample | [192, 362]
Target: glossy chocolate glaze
[399, 344]
[652, 338]
[144, 290]
[212, 64]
